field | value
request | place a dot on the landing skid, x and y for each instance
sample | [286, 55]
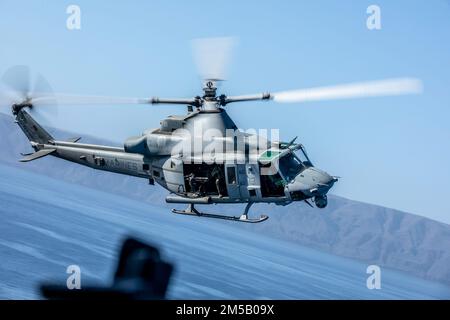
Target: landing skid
[191, 211]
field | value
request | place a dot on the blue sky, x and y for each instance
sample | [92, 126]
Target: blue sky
[391, 151]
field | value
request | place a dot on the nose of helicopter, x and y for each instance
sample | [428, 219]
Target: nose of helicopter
[311, 182]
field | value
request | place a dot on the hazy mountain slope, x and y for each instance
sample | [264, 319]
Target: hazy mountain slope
[370, 233]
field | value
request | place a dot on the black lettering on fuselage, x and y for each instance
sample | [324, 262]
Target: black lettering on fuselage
[122, 164]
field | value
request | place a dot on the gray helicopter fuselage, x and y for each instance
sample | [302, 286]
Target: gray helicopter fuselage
[191, 148]
[209, 139]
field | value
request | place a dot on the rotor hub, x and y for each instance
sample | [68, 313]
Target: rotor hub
[210, 105]
[19, 106]
[210, 89]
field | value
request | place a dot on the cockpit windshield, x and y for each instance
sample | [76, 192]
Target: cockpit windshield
[303, 157]
[288, 163]
[290, 166]
[292, 163]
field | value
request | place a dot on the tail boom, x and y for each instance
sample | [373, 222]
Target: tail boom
[98, 157]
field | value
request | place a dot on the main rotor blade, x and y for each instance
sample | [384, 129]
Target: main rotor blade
[212, 56]
[388, 87]
[66, 99]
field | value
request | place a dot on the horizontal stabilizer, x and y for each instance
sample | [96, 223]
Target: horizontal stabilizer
[37, 155]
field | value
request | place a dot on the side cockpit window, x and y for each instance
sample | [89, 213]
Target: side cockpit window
[290, 166]
[272, 184]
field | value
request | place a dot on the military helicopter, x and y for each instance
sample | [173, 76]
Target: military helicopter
[228, 167]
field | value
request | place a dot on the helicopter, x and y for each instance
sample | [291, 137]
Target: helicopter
[200, 157]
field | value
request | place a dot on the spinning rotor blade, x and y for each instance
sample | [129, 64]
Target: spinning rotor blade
[212, 56]
[388, 87]
[65, 99]
[42, 89]
[17, 80]
[7, 99]
[17, 88]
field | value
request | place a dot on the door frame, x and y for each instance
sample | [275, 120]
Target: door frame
[232, 188]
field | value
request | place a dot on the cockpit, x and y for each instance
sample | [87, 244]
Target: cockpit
[280, 167]
[293, 163]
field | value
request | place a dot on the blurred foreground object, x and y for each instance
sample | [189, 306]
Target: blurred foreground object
[140, 275]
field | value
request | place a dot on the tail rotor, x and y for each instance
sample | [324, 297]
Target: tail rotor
[20, 89]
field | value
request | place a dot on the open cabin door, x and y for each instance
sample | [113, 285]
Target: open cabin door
[205, 179]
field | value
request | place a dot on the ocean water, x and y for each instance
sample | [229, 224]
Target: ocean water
[47, 225]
